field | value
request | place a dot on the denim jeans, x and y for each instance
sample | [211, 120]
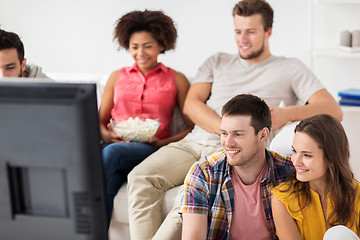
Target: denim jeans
[118, 160]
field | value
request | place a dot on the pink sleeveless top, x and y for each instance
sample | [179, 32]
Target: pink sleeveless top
[154, 94]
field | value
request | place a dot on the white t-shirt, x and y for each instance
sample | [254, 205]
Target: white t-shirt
[274, 80]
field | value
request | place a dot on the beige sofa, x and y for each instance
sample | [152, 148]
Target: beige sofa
[119, 226]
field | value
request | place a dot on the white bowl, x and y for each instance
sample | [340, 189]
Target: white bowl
[138, 129]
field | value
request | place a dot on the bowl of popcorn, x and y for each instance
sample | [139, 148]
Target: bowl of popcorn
[136, 128]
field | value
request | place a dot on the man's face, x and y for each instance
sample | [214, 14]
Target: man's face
[251, 38]
[10, 65]
[238, 138]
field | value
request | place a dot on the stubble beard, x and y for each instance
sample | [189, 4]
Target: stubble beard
[245, 161]
[253, 55]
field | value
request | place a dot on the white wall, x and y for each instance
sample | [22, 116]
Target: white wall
[76, 35]
[337, 69]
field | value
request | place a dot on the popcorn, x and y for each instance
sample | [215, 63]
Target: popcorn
[136, 129]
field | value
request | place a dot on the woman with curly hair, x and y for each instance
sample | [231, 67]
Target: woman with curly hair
[322, 192]
[145, 88]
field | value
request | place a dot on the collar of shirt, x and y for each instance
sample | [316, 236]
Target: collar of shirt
[160, 66]
[270, 174]
[265, 189]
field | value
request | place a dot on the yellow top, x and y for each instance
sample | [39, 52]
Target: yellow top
[311, 220]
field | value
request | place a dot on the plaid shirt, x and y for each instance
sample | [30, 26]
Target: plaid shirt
[209, 190]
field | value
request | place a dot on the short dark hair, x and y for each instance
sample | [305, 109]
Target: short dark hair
[248, 8]
[249, 105]
[10, 40]
[161, 27]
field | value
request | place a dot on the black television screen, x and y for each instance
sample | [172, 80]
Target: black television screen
[51, 176]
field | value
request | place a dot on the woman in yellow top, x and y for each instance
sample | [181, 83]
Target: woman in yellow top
[322, 191]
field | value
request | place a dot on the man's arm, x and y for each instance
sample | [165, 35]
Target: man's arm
[196, 109]
[321, 102]
[194, 226]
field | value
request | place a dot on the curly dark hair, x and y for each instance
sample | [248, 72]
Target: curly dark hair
[161, 27]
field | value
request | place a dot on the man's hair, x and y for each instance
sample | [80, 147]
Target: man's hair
[249, 105]
[10, 40]
[248, 8]
[160, 26]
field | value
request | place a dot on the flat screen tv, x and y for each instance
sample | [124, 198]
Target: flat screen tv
[51, 176]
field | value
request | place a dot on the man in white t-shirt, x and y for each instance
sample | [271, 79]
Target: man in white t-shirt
[253, 70]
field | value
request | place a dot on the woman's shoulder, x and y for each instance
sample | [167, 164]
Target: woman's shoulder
[181, 78]
[180, 75]
[165, 69]
[114, 76]
[285, 193]
[284, 189]
[122, 71]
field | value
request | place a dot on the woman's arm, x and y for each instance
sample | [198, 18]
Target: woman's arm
[106, 133]
[286, 227]
[182, 85]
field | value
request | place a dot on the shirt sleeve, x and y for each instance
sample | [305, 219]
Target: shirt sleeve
[196, 198]
[285, 194]
[304, 82]
[206, 70]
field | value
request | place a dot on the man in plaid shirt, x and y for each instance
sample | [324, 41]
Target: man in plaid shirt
[227, 194]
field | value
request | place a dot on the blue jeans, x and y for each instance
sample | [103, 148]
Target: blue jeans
[118, 160]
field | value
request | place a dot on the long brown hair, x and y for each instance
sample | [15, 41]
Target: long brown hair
[330, 136]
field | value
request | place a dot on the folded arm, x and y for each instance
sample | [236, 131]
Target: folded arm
[320, 102]
[196, 109]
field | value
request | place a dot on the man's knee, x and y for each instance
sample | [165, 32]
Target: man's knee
[135, 174]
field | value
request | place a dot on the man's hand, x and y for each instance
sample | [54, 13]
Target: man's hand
[320, 102]
[279, 117]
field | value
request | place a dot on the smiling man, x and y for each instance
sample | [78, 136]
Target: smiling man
[253, 69]
[12, 60]
[227, 194]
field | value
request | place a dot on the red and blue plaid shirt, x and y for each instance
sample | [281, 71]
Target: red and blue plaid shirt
[209, 191]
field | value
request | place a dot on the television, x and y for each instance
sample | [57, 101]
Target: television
[51, 175]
